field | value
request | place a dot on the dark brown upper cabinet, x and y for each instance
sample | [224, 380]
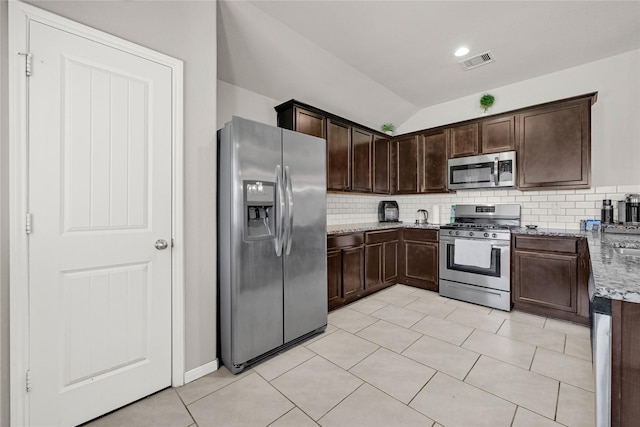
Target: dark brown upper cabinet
[498, 135]
[338, 155]
[434, 162]
[381, 159]
[464, 140]
[552, 142]
[554, 146]
[404, 155]
[310, 123]
[362, 156]
[302, 120]
[358, 158]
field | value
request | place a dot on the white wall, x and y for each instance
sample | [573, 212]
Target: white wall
[4, 222]
[236, 101]
[615, 138]
[185, 30]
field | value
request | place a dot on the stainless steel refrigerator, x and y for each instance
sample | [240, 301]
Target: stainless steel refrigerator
[272, 242]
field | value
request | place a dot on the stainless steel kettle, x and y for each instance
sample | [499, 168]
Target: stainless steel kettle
[422, 216]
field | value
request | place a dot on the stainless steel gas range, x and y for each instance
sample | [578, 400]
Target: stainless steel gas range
[475, 264]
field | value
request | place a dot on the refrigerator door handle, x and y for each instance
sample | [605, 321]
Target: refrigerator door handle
[279, 211]
[287, 180]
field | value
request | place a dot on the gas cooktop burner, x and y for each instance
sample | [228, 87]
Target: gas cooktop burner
[482, 222]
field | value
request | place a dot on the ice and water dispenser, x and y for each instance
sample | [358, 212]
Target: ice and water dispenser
[259, 210]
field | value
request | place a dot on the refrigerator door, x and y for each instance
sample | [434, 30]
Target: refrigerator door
[256, 293]
[305, 254]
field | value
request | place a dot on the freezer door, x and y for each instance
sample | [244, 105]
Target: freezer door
[305, 254]
[256, 293]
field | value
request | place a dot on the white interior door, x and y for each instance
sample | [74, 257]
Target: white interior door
[100, 198]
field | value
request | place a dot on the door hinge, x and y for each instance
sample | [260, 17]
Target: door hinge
[172, 245]
[27, 224]
[28, 380]
[27, 60]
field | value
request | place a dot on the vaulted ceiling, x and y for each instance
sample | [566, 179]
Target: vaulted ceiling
[383, 61]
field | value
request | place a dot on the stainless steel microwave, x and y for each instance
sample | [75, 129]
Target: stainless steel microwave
[484, 171]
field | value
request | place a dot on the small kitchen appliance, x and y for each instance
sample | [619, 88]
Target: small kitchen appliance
[388, 211]
[606, 212]
[629, 210]
[484, 171]
[632, 209]
[475, 254]
[422, 216]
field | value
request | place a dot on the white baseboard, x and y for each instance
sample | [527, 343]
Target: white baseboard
[200, 371]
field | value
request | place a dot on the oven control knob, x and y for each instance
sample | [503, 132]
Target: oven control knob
[457, 233]
[486, 234]
[470, 233]
[450, 232]
[494, 235]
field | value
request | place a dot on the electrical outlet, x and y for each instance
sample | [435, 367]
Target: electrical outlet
[555, 209]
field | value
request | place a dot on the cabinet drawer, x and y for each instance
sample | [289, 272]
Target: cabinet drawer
[381, 236]
[420, 235]
[345, 240]
[554, 244]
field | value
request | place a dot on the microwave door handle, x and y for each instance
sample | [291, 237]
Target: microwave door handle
[495, 170]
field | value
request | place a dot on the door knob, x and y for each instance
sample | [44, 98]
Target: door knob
[161, 244]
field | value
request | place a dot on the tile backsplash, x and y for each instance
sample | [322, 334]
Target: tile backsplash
[561, 209]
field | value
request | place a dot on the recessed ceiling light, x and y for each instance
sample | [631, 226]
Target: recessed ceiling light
[462, 51]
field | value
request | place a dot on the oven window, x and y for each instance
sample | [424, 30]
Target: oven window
[493, 270]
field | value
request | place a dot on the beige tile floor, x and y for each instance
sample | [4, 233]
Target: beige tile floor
[401, 357]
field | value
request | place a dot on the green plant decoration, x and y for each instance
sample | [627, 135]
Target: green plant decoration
[486, 101]
[388, 127]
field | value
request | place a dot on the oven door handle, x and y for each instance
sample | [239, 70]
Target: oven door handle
[450, 241]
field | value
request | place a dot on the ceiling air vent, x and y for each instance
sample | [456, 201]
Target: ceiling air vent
[478, 60]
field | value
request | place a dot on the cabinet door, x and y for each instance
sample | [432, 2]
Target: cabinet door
[554, 146]
[464, 140]
[406, 165]
[390, 261]
[625, 361]
[338, 156]
[309, 122]
[381, 158]
[498, 135]
[547, 280]
[434, 149]
[334, 278]
[352, 271]
[373, 264]
[361, 148]
[421, 264]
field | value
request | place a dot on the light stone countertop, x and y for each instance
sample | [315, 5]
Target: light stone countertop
[616, 276]
[374, 226]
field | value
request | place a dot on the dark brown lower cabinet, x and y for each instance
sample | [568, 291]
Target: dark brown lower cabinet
[625, 363]
[334, 278]
[381, 259]
[550, 277]
[345, 268]
[419, 258]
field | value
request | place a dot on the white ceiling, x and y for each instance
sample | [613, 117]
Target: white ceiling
[383, 61]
